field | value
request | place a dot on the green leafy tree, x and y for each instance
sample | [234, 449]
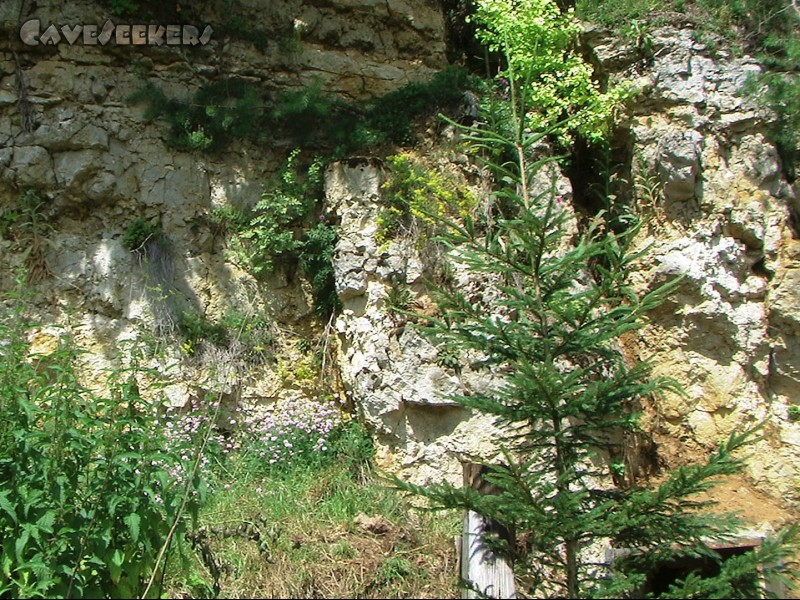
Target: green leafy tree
[567, 396]
[549, 78]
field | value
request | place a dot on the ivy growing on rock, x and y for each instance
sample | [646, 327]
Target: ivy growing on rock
[271, 233]
[216, 114]
[281, 231]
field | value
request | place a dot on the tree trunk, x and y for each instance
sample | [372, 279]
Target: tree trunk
[572, 568]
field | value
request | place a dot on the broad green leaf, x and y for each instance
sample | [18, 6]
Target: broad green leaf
[19, 545]
[133, 521]
[115, 566]
[6, 505]
[46, 521]
[7, 563]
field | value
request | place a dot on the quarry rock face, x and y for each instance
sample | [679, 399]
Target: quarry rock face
[70, 133]
[721, 217]
[395, 374]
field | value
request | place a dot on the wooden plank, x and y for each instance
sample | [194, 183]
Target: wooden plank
[490, 574]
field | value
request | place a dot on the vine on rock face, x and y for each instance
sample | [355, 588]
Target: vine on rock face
[276, 231]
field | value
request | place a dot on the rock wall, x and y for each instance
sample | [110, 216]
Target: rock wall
[68, 132]
[395, 375]
[723, 217]
[402, 380]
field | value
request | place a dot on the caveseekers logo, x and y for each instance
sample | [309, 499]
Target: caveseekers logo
[31, 33]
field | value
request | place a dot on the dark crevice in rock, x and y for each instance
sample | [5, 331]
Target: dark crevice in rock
[601, 177]
[462, 46]
[759, 268]
[794, 221]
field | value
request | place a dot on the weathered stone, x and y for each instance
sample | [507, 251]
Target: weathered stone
[177, 395]
[33, 167]
[73, 168]
[378, 524]
[679, 164]
[784, 302]
[63, 129]
[101, 187]
[728, 334]
[387, 367]
[8, 97]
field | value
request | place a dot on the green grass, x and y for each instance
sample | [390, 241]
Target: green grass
[311, 544]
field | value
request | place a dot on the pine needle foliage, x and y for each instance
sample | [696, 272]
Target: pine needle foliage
[566, 397]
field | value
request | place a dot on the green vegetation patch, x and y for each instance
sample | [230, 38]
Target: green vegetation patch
[138, 233]
[216, 114]
[92, 488]
[314, 523]
[234, 108]
[114, 496]
[415, 191]
[250, 338]
[569, 397]
[26, 224]
[281, 230]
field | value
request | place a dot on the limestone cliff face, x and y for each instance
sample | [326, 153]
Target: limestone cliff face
[724, 220]
[399, 378]
[68, 131]
[722, 217]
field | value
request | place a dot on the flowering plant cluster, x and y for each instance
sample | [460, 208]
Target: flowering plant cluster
[185, 434]
[295, 431]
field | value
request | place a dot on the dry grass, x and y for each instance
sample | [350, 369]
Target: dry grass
[340, 563]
